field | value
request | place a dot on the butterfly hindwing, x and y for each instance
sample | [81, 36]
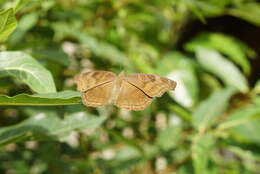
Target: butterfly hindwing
[131, 97]
[152, 85]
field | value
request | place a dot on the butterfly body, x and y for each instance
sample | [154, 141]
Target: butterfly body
[117, 86]
[132, 92]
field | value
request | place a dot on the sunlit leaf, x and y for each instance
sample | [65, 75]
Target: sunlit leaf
[180, 69]
[7, 23]
[211, 109]
[210, 9]
[197, 12]
[234, 49]
[48, 99]
[249, 11]
[257, 87]
[215, 63]
[23, 67]
[20, 4]
[43, 126]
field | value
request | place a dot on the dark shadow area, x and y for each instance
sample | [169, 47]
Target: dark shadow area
[246, 32]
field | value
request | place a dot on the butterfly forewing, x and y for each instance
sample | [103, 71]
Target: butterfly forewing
[152, 85]
[131, 97]
[98, 96]
[89, 80]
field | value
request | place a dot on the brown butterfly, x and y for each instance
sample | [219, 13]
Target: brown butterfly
[132, 92]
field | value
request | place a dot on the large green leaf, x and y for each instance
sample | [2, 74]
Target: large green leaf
[227, 45]
[215, 63]
[49, 99]
[23, 67]
[7, 23]
[201, 146]
[180, 69]
[47, 126]
[211, 109]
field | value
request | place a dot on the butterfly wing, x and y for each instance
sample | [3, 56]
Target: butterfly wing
[132, 98]
[98, 96]
[152, 85]
[89, 80]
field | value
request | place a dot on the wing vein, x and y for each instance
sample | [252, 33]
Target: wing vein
[139, 89]
[96, 86]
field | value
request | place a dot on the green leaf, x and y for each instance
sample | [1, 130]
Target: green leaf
[25, 23]
[169, 137]
[181, 112]
[49, 99]
[23, 67]
[215, 63]
[248, 11]
[194, 8]
[44, 126]
[210, 8]
[249, 158]
[234, 49]
[180, 69]
[129, 142]
[247, 132]
[55, 55]
[7, 23]
[127, 152]
[211, 109]
[201, 146]
[103, 49]
[20, 4]
[141, 64]
[240, 117]
[256, 89]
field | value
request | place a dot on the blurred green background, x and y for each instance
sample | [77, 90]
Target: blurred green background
[209, 124]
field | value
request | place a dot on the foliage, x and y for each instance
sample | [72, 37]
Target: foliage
[209, 124]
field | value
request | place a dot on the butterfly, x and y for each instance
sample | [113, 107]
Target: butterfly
[132, 92]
